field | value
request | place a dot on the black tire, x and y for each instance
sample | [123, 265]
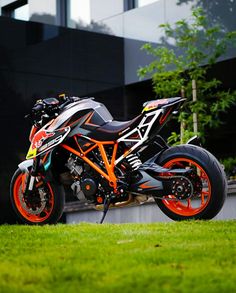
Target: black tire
[53, 209]
[213, 172]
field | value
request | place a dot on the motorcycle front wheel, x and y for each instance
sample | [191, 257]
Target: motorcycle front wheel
[43, 206]
[204, 204]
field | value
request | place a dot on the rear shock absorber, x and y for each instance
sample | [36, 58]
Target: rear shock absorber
[134, 161]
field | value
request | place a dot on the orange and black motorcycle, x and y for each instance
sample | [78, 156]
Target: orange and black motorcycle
[75, 142]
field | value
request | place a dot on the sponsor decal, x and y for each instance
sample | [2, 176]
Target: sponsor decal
[40, 137]
[154, 104]
[38, 146]
[50, 143]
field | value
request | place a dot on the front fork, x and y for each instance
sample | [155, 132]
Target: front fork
[25, 166]
[32, 175]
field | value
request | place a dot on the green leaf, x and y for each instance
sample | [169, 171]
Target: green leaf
[198, 46]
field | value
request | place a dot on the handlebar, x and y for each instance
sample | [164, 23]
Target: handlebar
[49, 107]
[68, 101]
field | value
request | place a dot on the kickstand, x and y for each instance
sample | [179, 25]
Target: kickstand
[106, 207]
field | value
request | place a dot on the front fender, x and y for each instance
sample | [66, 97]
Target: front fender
[25, 165]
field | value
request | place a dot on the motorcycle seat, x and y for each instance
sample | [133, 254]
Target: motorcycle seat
[112, 130]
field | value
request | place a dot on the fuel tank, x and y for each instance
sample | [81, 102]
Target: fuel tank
[86, 115]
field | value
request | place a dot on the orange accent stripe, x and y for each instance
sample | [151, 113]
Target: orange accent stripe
[87, 122]
[144, 186]
[162, 119]
[45, 157]
[72, 123]
[76, 121]
[34, 129]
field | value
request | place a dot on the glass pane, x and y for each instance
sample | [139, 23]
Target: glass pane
[79, 13]
[44, 11]
[140, 3]
[21, 13]
[104, 9]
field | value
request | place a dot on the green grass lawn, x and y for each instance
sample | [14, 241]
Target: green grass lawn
[160, 257]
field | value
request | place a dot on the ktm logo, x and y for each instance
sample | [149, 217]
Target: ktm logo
[40, 137]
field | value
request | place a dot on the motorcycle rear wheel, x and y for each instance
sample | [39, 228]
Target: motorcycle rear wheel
[35, 211]
[204, 205]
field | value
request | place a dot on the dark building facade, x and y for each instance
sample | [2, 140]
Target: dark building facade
[32, 66]
[45, 50]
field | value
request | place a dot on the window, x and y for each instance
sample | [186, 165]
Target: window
[140, 3]
[21, 13]
[17, 10]
[79, 13]
[131, 4]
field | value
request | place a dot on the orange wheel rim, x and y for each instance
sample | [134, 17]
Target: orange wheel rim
[196, 204]
[20, 203]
